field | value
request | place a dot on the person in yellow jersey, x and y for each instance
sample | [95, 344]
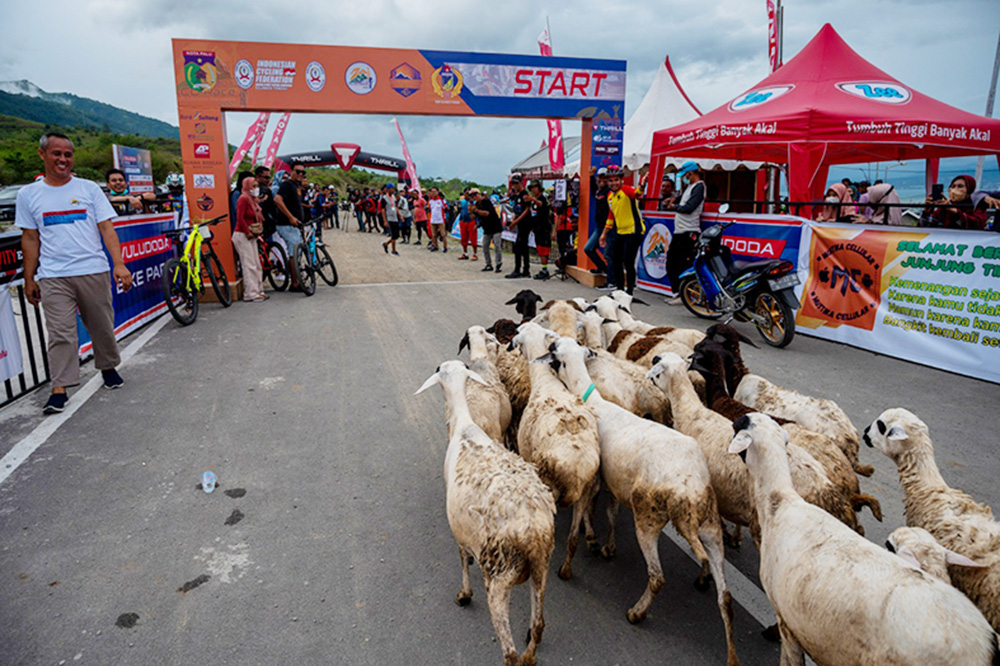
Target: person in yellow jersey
[624, 218]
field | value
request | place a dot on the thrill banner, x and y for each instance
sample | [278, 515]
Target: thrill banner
[931, 296]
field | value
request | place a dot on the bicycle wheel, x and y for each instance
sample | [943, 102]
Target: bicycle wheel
[780, 327]
[694, 299]
[181, 301]
[217, 276]
[278, 274]
[326, 268]
[304, 273]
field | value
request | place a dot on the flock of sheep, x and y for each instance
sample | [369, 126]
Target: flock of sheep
[671, 423]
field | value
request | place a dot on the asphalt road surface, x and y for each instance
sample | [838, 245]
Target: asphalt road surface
[337, 549]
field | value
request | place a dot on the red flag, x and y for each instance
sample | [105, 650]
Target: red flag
[772, 35]
[556, 158]
[279, 132]
[244, 148]
[411, 168]
[260, 136]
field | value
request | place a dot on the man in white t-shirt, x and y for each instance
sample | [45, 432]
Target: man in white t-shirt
[438, 207]
[63, 221]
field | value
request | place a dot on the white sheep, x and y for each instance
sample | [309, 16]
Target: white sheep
[499, 511]
[688, 337]
[558, 433]
[489, 405]
[640, 348]
[918, 547]
[956, 521]
[658, 473]
[513, 370]
[840, 598]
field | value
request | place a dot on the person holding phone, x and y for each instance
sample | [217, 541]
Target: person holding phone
[66, 224]
[956, 211]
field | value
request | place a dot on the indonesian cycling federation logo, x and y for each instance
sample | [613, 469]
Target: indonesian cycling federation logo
[200, 72]
[244, 74]
[315, 76]
[447, 82]
[405, 79]
[654, 251]
[360, 78]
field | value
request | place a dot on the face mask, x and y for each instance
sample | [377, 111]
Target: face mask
[255, 191]
[832, 200]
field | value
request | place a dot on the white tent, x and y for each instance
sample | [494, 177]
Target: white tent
[665, 105]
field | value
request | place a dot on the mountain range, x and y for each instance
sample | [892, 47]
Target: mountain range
[23, 99]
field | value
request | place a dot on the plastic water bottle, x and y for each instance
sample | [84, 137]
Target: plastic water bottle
[208, 481]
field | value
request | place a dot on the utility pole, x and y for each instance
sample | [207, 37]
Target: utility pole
[989, 107]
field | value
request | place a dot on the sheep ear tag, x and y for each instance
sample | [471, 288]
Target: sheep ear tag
[952, 557]
[895, 433]
[741, 442]
[474, 376]
[431, 381]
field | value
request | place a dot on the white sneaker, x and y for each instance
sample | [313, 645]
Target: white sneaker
[673, 300]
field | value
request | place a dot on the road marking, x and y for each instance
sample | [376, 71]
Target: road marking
[744, 591]
[19, 454]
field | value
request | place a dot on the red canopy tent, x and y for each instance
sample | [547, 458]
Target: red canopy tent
[828, 105]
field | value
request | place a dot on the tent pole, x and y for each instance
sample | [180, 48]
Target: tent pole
[989, 107]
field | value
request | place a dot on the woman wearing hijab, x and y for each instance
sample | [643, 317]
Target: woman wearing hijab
[957, 211]
[883, 193]
[249, 219]
[835, 209]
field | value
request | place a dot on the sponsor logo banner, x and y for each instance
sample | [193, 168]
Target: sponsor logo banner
[360, 78]
[274, 74]
[755, 98]
[203, 181]
[200, 72]
[877, 91]
[405, 79]
[315, 76]
[496, 80]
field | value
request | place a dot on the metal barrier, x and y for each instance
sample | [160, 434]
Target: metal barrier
[30, 329]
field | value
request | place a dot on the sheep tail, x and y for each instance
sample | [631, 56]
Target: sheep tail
[861, 500]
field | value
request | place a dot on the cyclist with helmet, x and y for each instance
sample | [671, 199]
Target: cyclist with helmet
[625, 220]
[176, 201]
[687, 227]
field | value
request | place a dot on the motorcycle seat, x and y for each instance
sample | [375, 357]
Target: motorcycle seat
[744, 266]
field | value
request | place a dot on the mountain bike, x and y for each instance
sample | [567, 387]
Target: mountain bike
[309, 258]
[183, 276]
[273, 264]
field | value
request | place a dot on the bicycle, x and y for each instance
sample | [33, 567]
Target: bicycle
[183, 276]
[309, 258]
[273, 264]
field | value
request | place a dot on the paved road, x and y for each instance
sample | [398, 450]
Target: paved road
[343, 554]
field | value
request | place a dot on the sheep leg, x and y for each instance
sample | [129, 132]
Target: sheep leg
[735, 539]
[648, 535]
[464, 597]
[539, 572]
[588, 517]
[792, 653]
[498, 599]
[579, 510]
[863, 500]
[609, 548]
[710, 534]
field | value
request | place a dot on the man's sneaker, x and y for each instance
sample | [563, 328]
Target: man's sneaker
[464, 257]
[445, 251]
[542, 274]
[607, 287]
[497, 269]
[485, 269]
[56, 403]
[475, 257]
[112, 379]
[418, 243]
[395, 254]
[673, 300]
[385, 246]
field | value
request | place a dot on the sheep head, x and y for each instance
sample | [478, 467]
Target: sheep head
[897, 431]
[451, 374]
[760, 442]
[504, 330]
[664, 367]
[532, 340]
[918, 548]
[525, 302]
[728, 336]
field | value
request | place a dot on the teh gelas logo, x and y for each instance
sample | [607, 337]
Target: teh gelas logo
[447, 82]
[757, 97]
[876, 91]
[405, 79]
[205, 203]
[200, 72]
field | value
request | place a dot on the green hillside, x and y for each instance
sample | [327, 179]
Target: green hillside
[83, 112]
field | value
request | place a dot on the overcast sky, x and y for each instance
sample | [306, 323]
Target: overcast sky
[119, 52]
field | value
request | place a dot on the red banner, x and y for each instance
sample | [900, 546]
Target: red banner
[259, 140]
[279, 132]
[411, 168]
[772, 35]
[556, 158]
[252, 134]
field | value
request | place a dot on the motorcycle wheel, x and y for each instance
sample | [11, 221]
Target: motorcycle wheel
[781, 318]
[694, 299]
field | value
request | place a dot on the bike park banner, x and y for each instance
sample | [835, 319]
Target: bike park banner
[145, 250]
[752, 237]
[931, 296]
[137, 165]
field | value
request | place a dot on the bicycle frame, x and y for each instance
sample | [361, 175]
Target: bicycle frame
[192, 248]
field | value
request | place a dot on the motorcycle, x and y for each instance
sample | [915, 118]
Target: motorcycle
[760, 292]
